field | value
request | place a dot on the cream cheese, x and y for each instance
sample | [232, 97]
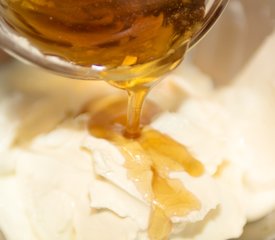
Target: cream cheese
[59, 182]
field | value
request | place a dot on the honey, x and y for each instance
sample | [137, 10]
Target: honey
[149, 159]
[105, 32]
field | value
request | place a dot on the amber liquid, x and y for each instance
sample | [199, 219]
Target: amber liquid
[149, 160]
[103, 32]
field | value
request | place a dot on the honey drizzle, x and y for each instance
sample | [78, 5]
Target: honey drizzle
[135, 103]
[149, 159]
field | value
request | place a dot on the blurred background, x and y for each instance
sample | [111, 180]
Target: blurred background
[234, 39]
[4, 57]
[226, 50]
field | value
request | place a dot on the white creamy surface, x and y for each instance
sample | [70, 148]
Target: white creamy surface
[57, 182]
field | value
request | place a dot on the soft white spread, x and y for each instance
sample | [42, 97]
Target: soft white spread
[58, 182]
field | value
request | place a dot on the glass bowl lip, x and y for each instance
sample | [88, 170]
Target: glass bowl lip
[211, 18]
[21, 48]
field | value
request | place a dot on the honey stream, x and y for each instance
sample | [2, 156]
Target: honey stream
[149, 159]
